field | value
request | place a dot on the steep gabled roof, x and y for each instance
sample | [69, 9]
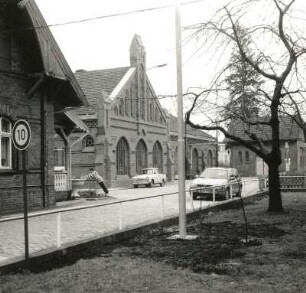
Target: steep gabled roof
[289, 130]
[191, 132]
[95, 82]
[54, 63]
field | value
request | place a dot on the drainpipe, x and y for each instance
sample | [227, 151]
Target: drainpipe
[43, 148]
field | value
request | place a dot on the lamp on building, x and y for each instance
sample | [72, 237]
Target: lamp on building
[157, 66]
[287, 159]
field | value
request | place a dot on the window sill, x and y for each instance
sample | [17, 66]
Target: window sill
[8, 172]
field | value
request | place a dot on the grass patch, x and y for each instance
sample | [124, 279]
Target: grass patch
[217, 261]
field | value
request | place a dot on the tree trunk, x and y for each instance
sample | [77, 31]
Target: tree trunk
[275, 199]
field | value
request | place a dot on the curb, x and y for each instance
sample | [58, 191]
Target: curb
[58, 255]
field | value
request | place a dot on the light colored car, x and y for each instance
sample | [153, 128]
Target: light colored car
[222, 180]
[149, 177]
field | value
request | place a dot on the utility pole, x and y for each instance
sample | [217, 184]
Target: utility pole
[181, 151]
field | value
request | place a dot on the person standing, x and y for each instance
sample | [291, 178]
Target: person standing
[94, 175]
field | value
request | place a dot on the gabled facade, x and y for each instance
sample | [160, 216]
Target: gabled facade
[36, 84]
[293, 148]
[127, 126]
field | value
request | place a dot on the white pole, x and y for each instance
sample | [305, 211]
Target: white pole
[181, 146]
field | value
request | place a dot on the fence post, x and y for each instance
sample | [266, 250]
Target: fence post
[58, 230]
[162, 208]
[120, 216]
[214, 194]
[231, 191]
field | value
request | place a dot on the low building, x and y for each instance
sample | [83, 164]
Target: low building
[36, 85]
[292, 142]
[200, 148]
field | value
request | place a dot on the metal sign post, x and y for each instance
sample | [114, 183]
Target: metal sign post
[21, 140]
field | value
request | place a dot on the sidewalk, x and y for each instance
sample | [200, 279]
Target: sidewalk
[58, 228]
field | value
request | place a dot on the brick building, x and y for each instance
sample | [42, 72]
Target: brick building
[127, 125]
[293, 148]
[200, 149]
[36, 84]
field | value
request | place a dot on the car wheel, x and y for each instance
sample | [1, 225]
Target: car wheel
[135, 186]
[163, 183]
[151, 183]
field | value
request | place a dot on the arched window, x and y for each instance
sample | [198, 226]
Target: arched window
[156, 114]
[6, 143]
[158, 156]
[122, 157]
[202, 161]
[88, 142]
[195, 162]
[209, 159]
[240, 157]
[141, 155]
[247, 157]
[116, 111]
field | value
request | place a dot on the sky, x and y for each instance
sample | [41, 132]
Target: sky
[104, 43]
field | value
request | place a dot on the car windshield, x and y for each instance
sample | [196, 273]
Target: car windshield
[214, 173]
[146, 171]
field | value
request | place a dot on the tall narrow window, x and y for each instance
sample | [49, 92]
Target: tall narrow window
[6, 143]
[240, 157]
[59, 158]
[127, 112]
[122, 157]
[141, 155]
[195, 162]
[247, 157]
[158, 156]
[121, 107]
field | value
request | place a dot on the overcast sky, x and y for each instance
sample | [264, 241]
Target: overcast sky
[104, 43]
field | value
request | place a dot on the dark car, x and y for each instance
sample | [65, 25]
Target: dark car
[219, 180]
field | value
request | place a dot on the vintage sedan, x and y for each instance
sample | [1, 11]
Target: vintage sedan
[149, 177]
[218, 181]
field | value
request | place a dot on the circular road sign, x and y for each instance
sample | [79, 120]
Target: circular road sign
[21, 134]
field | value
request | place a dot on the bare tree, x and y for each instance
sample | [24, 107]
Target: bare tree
[273, 48]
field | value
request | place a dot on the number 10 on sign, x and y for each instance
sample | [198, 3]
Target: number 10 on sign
[21, 134]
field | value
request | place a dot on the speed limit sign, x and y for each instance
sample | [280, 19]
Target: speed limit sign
[21, 134]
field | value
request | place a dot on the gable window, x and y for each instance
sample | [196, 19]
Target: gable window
[121, 107]
[88, 142]
[127, 104]
[116, 111]
[6, 143]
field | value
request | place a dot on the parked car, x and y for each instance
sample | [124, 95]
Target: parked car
[218, 179]
[149, 177]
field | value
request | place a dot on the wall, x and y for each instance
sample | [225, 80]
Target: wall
[15, 104]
